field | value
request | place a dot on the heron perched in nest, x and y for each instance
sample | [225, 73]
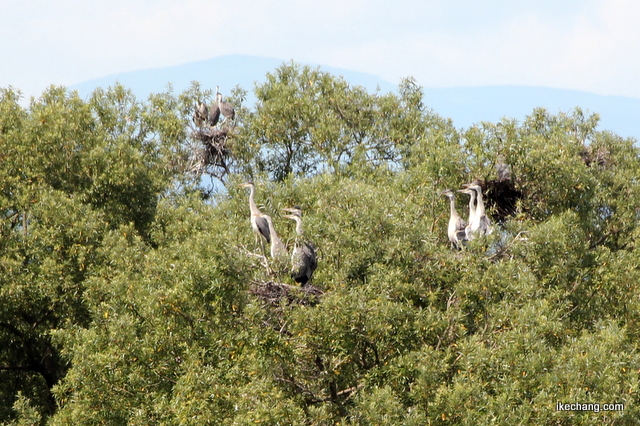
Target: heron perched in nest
[214, 114]
[225, 108]
[303, 257]
[200, 114]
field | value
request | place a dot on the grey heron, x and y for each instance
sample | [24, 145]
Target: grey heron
[200, 114]
[503, 170]
[303, 257]
[214, 114]
[456, 229]
[278, 249]
[471, 221]
[482, 224]
[259, 224]
[225, 107]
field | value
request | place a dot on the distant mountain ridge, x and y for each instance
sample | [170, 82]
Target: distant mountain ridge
[464, 105]
[469, 105]
[224, 71]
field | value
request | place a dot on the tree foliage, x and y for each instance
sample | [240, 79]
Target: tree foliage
[126, 284]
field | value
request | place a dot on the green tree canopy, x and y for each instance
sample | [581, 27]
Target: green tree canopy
[130, 293]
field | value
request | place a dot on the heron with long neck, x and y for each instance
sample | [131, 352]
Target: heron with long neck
[224, 107]
[303, 257]
[278, 249]
[259, 223]
[482, 224]
[456, 228]
[472, 212]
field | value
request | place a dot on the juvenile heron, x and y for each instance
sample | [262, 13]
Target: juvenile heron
[503, 170]
[225, 107]
[214, 114]
[472, 212]
[200, 114]
[455, 231]
[303, 257]
[259, 224]
[278, 249]
[482, 224]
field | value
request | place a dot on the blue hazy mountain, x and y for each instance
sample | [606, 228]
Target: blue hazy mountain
[224, 71]
[464, 105]
[469, 105]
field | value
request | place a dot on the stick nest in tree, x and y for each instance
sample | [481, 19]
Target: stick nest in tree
[275, 293]
[214, 152]
[502, 196]
[599, 156]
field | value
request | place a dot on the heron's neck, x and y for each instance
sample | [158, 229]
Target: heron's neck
[252, 203]
[480, 204]
[275, 239]
[277, 246]
[452, 206]
[472, 203]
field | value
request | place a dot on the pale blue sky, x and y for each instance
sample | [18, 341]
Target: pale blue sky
[589, 45]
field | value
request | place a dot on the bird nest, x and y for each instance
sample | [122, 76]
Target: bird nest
[214, 153]
[274, 293]
[501, 197]
[593, 156]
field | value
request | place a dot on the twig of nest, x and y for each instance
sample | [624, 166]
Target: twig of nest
[214, 150]
[274, 293]
[211, 135]
[501, 196]
[595, 156]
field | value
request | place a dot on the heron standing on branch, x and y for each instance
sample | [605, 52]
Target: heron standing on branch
[472, 212]
[455, 230]
[225, 108]
[278, 249]
[214, 114]
[200, 114]
[259, 224]
[303, 257]
[482, 224]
